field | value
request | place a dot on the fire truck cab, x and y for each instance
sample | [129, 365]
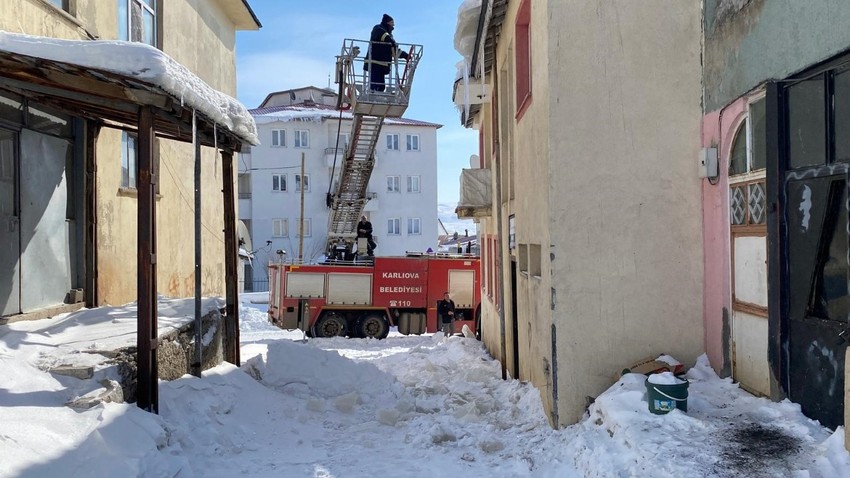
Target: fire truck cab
[327, 300]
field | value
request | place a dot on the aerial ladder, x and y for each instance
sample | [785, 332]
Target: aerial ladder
[369, 109]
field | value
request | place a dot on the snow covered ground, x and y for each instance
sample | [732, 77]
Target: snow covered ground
[404, 406]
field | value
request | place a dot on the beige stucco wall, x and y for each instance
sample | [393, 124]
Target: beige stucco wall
[531, 204]
[523, 162]
[195, 40]
[37, 17]
[202, 38]
[624, 193]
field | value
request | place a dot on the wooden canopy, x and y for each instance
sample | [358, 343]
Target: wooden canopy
[123, 101]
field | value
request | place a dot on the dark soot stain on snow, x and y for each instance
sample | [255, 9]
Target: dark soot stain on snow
[754, 450]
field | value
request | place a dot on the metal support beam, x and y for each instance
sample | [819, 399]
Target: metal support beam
[231, 256]
[148, 376]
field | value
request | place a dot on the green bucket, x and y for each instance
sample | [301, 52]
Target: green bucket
[664, 398]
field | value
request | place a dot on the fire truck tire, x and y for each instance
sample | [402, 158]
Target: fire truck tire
[329, 325]
[404, 323]
[374, 326]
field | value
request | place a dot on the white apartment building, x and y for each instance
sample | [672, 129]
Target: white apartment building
[304, 122]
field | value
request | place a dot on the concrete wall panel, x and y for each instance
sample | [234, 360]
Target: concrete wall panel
[625, 197]
[768, 39]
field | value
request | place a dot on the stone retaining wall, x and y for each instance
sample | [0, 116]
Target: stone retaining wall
[175, 353]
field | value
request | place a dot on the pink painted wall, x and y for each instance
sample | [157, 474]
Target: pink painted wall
[718, 131]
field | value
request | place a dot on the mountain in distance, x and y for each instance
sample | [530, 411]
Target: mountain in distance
[446, 214]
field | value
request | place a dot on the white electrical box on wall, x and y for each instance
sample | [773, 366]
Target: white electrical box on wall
[708, 163]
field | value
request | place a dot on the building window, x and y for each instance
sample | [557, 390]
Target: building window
[413, 184]
[344, 139]
[62, 5]
[414, 226]
[306, 183]
[128, 160]
[413, 142]
[137, 21]
[244, 186]
[534, 260]
[279, 138]
[393, 226]
[841, 102]
[302, 138]
[280, 228]
[748, 210]
[807, 126]
[393, 184]
[307, 225]
[279, 182]
[749, 151]
[392, 142]
[523, 57]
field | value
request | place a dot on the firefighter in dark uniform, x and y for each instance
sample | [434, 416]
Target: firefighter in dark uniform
[382, 50]
[364, 229]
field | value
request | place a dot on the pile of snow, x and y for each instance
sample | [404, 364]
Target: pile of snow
[726, 432]
[665, 378]
[467, 28]
[146, 63]
[414, 406]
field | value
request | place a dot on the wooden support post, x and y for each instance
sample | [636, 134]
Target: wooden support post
[148, 376]
[231, 257]
[92, 131]
[198, 366]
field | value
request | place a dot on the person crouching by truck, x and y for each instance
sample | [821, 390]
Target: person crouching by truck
[446, 313]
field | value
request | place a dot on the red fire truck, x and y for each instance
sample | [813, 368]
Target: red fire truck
[327, 300]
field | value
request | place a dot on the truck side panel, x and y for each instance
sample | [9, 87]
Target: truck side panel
[349, 288]
[400, 282]
[305, 285]
[461, 287]
[460, 277]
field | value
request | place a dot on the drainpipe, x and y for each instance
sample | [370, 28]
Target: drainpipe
[500, 235]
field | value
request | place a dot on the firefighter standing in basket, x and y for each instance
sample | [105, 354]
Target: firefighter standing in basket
[364, 229]
[382, 50]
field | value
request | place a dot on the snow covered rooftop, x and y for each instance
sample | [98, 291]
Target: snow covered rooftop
[144, 63]
[317, 112]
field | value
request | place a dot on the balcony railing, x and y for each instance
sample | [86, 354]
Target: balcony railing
[244, 195]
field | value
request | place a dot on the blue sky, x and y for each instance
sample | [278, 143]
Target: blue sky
[299, 41]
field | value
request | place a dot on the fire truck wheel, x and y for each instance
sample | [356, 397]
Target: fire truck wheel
[374, 326]
[329, 325]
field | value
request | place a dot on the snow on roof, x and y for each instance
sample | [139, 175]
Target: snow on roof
[467, 28]
[319, 113]
[145, 63]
